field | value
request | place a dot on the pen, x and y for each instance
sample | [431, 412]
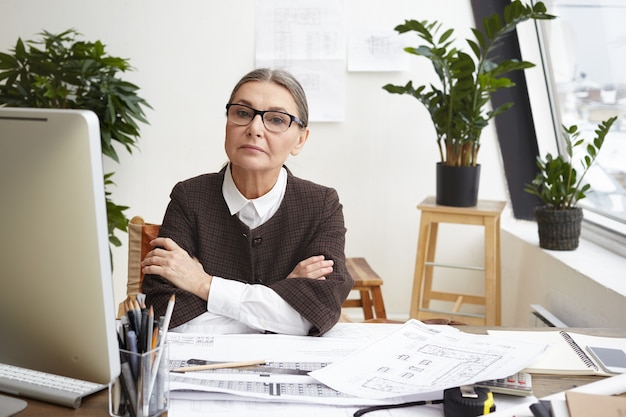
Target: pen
[219, 366]
[132, 320]
[120, 339]
[131, 345]
[143, 332]
[128, 384]
[125, 329]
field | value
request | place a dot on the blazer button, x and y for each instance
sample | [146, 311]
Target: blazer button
[256, 241]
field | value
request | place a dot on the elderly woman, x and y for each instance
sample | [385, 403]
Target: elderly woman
[252, 248]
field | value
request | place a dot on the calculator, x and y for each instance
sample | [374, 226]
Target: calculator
[519, 384]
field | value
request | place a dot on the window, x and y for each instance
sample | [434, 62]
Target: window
[584, 52]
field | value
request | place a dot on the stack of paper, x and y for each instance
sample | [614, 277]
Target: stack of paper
[408, 362]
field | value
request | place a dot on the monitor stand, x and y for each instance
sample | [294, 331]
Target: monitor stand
[10, 406]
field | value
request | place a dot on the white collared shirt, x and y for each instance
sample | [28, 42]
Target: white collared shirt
[236, 307]
[254, 213]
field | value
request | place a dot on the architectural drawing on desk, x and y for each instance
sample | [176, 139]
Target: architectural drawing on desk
[284, 379]
[446, 365]
[267, 386]
[307, 390]
[191, 340]
[419, 359]
[285, 368]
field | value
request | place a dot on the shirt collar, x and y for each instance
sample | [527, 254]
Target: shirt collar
[265, 206]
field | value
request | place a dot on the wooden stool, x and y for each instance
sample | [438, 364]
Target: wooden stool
[487, 214]
[367, 283]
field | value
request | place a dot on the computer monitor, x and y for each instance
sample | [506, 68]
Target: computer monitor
[57, 311]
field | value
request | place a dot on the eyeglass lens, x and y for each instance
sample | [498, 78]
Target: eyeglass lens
[274, 121]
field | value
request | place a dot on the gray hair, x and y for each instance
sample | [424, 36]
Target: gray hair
[282, 78]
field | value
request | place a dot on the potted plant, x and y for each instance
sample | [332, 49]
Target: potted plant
[73, 74]
[560, 187]
[458, 107]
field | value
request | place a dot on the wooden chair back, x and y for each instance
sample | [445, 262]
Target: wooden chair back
[140, 234]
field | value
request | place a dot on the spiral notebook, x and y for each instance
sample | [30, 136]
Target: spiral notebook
[567, 352]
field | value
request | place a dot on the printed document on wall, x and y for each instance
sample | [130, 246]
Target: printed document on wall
[307, 38]
[371, 50]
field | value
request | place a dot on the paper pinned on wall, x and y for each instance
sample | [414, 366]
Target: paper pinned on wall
[376, 51]
[307, 38]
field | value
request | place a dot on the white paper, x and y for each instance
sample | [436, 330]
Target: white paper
[299, 30]
[418, 359]
[365, 331]
[381, 50]
[190, 408]
[192, 404]
[306, 37]
[292, 352]
[193, 408]
[559, 408]
[244, 347]
[355, 354]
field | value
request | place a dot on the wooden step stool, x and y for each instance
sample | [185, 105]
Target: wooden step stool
[487, 214]
[367, 283]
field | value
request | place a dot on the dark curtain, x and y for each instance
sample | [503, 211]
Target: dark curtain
[515, 127]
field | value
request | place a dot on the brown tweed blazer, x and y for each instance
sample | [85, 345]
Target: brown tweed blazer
[309, 222]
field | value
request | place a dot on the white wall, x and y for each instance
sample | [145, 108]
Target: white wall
[188, 54]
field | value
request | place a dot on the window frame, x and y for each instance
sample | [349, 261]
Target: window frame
[532, 126]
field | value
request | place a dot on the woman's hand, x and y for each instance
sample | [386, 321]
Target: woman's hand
[315, 267]
[173, 263]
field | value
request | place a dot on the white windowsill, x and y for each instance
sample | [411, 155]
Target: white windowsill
[598, 264]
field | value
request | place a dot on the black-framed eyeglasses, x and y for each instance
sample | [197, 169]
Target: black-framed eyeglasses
[273, 120]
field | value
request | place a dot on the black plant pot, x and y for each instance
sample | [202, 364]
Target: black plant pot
[558, 229]
[457, 186]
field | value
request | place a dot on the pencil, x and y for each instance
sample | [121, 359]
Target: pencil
[219, 366]
[150, 330]
[155, 337]
[156, 364]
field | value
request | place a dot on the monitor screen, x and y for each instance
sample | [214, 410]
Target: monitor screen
[57, 311]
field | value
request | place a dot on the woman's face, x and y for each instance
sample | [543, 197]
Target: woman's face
[253, 147]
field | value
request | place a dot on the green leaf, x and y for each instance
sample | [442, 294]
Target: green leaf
[475, 48]
[457, 104]
[446, 35]
[20, 49]
[558, 183]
